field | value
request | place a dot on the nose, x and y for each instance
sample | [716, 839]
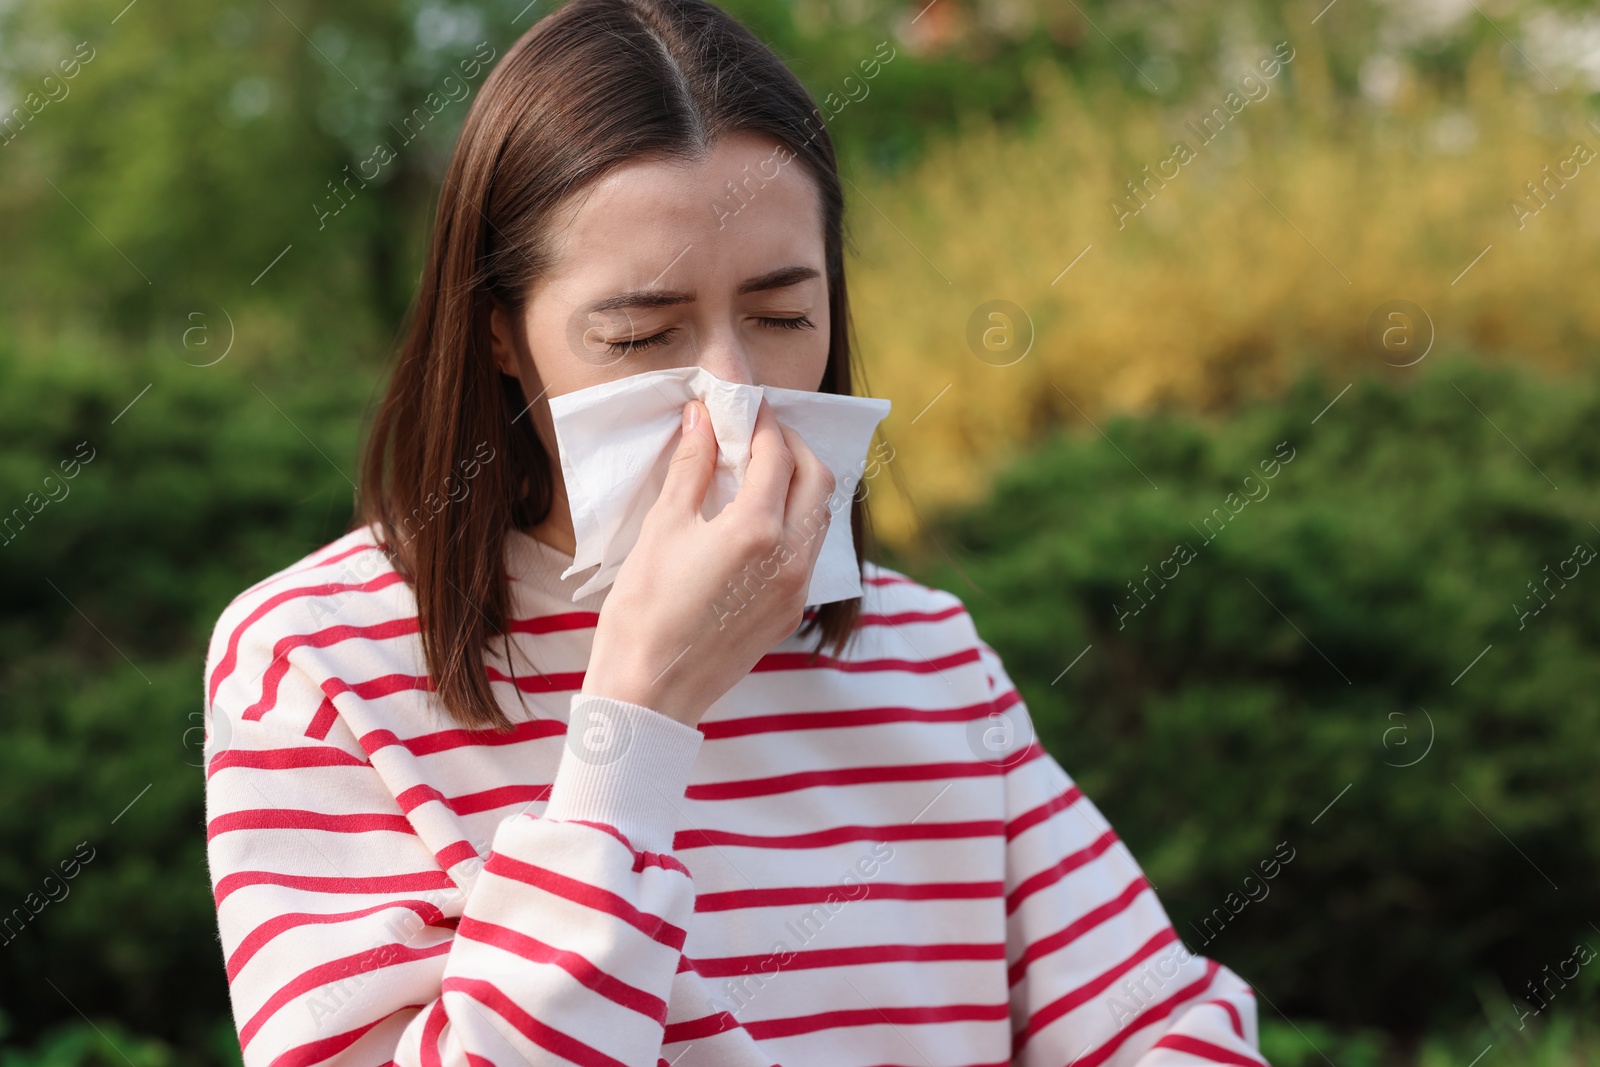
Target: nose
[727, 358]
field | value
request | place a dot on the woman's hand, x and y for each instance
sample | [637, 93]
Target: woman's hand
[697, 603]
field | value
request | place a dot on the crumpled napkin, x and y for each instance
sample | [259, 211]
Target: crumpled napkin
[616, 442]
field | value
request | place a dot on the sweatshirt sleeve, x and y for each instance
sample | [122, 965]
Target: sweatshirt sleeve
[348, 941]
[1098, 976]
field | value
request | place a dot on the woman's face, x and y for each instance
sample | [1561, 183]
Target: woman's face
[663, 264]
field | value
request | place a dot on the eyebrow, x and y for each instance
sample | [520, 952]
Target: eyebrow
[654, 298]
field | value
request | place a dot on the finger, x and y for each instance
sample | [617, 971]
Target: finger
[807, 509]
[694, 460]
[771, 468]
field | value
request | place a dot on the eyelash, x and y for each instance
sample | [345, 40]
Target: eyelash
[801, 323]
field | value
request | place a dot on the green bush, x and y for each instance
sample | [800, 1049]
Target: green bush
[108, 594]
[85, 1043]
[1349, 638]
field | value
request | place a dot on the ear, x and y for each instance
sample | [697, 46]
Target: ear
[500, 343]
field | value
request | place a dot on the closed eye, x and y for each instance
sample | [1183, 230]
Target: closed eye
[623, 347]
[801, 323]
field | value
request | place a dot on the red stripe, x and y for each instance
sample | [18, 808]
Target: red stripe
[1233, 1015]
[785, 722]
[371, 960]
[720, 1022]
[699, 1029]
[308, 565]
[500, 797]
[1029, 819]
[1005, 700]
[550, 624]
[418, 882]
[326, 1048]
[472, 803]
[332, 635]
[323, 720]
[812, 894]
[1207, 1051]
[1153, 1015]
[903, 618]
[294, 819]
[1059, 870]
[641, 860]
[556, 682]
[258, 938]
[1076, 928]
[412, 799]
[230, 658]
[459, 852]
[1049, 1013]
[376, 688]
[938, 831]
[445, 740]
[910, 1016]
[574, 963]
[431, 1031]
[842, 776]
[283, 759]
[797, 661]
[546, 1037]
[601, 900]
[733, 966]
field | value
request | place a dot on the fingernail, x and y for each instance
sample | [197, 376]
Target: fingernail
[691, 416]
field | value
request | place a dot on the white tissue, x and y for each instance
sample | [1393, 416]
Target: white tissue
[616, 442]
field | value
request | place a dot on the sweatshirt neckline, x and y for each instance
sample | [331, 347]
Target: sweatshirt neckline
[536, 565]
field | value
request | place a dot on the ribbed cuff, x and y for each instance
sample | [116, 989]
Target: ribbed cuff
[625, 765]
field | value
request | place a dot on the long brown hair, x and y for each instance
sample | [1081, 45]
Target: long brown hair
[588, 88]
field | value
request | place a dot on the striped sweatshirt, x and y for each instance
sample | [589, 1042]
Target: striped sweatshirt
[848, 862]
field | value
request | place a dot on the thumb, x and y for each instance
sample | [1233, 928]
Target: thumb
[689, 473]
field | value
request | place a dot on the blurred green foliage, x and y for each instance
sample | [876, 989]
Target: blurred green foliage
[85, 1043]
[198, 144]
[1341, 661]
[194, 149]
[199, 481]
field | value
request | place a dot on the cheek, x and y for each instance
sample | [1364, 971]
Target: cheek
[804, 368]
[817, 357]
[808, 360]
[816, 351]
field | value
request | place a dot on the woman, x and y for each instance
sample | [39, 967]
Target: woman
[455, 817]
